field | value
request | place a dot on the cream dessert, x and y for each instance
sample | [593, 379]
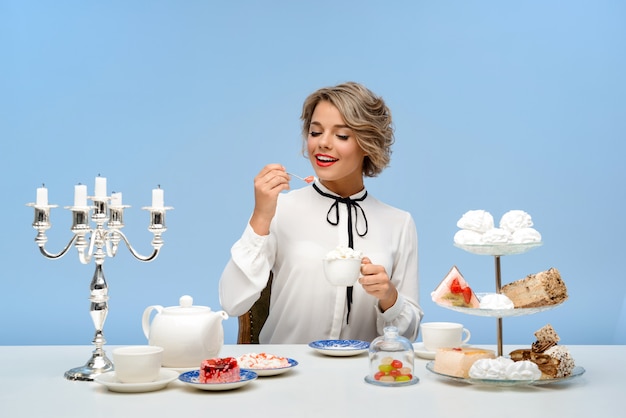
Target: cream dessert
[343, 252]
[495, 301]
[503, 368]
[478, 228]
[496, 236]
[525, 235]
[219, 370]
[262, 361]
[458, 361]
[476, 220]
[515, 219]
[455, 291]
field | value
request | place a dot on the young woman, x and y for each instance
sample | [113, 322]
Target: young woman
[348, 135]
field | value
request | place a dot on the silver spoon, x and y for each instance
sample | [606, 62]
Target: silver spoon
[308, 179]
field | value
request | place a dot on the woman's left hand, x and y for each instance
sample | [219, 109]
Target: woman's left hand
[375, 282]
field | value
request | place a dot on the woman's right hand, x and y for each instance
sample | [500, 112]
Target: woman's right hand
[268, 184]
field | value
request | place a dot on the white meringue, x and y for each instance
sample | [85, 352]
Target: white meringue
[476, 220]
[496, 301]
[503, 368]
[496, 236]
[523, 370]
[467, 236]
[515, 219]
[525, 235]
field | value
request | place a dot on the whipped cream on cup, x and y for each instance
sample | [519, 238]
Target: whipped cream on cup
[342, 266]
[343, 252]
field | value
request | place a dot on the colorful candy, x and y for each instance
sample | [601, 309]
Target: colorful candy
[392, 370]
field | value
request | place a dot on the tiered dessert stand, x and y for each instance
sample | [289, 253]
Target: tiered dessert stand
[497, 251]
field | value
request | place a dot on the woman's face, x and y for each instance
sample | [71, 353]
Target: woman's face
[333, 151]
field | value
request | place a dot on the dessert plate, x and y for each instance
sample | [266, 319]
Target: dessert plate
[273, 371]
[498, 249]
[578, 371]
[340, 348]
[110, 381]
[191, 379]
[500, 313]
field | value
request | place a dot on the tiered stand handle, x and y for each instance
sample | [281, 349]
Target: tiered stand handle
[498, 290]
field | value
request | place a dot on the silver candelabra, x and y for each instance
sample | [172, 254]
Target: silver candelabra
[107, 213]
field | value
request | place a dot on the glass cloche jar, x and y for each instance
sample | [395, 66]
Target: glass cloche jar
[391, 360]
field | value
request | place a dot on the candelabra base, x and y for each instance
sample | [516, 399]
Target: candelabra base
[98, 363]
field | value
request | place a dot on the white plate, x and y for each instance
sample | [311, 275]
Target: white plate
[421, 351]
[500, 313]
[191, 379]
[110, 381]
[498, 249]
[273, 371]
[578, 371]
[340, 348]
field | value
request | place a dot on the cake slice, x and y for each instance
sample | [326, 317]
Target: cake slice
[455, 291]
[219, 370]
[458, 361]
[541, 289]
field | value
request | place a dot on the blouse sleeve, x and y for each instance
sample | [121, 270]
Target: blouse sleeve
[247, 272]
[406, 313]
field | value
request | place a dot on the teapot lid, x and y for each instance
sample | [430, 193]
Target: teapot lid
[187, 307]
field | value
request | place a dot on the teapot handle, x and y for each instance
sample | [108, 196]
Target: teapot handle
[145, 320]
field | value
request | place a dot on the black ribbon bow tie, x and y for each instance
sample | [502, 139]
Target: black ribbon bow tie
[351, 204]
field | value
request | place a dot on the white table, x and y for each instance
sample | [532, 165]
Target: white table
[32, 385]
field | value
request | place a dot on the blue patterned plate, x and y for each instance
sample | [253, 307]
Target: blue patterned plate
[273, 371]
[340, 348]
[191, 379]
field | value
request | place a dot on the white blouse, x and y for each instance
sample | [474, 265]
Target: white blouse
[304, 307]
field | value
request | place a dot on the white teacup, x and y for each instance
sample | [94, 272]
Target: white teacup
[443, 334]
[342, 271]
[138, 363]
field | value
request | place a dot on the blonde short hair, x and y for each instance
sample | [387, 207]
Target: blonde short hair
[365, 113]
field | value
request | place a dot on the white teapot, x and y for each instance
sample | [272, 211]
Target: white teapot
[187, 333]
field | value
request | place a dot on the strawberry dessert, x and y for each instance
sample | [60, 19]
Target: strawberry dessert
[455, 291]
[219, 370]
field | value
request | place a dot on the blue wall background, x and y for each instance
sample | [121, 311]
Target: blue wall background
[497, 105]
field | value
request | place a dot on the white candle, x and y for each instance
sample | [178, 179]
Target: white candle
[42, 196]
[116, 199]
[80, 195]
[101, 187]
[157, 198]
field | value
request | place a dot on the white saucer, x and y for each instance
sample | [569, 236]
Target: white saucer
[421, 351]
[109, 380]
